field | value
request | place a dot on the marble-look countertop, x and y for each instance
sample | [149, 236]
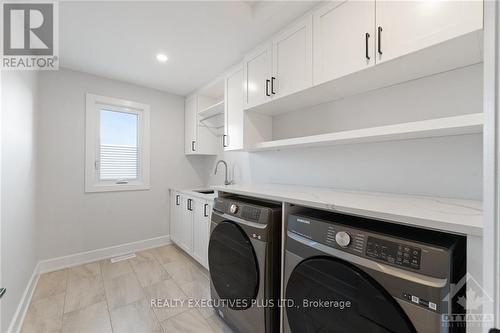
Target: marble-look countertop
[193, 193]
[444, 214]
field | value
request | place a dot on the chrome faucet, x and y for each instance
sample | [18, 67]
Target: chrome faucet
[226, 181]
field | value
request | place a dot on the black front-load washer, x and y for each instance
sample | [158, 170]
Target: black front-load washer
[244, 258]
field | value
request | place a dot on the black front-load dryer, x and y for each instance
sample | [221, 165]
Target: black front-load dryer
[347, 274]
[244, 258]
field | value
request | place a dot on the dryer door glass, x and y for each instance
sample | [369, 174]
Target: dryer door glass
[233, 265]
[327, 284]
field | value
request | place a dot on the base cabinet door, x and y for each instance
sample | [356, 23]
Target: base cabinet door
[175, 215]
[185, 238]
[201, 228]
[406, 26]
[344, 39]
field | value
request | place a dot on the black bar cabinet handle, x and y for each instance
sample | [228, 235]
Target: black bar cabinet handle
[224, 137]
[205, 210]
[272, 85]
[367, 36]
[192, 145]
[177, 202]
[379, 40]
[189, 203]
[267, 88]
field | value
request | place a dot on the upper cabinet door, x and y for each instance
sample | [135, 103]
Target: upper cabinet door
[190, 123]
[234, 94]
[257, 68]
[292, 59]
[407, 26]
[344, 39]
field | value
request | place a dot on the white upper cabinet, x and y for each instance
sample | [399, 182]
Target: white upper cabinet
[234, 121]
[201, 130]
[344, 38]
[257, 66]
[292, 59]
[190, 124]
[407, 26]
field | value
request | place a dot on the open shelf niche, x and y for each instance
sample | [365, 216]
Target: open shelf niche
[211, 109]
[444, 104]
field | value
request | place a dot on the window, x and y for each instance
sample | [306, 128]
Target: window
[117, 145]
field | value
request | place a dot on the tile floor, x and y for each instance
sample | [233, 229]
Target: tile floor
[106, 297]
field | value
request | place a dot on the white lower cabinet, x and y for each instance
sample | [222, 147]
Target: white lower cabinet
[190, 225]
[201, 230]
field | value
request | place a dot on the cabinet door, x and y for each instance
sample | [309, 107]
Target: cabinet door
[175, 215]
[190, 123]
[234, 94]
[344, 39]
[201, 227]
[408, 26]
[257, 67]
[185, 239]
[292, 59]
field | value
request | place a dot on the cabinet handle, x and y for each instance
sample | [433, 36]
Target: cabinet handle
[367, 36]
[224, 137]
[177, 202]
[272, 85]
[379, 44]
[267, 88]
[205, 210]
[192, 145]
[189, 205]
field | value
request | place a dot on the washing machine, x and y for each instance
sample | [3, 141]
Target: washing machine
[349, 274]
[244, 258]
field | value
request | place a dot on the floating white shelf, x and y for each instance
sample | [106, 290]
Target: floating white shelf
[213, 121]
[457, 125]
[217, 108]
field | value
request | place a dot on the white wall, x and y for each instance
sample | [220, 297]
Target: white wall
[74, 221]
[18, 188]
[444, 167]
[447, 94]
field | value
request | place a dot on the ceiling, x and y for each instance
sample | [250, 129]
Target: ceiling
[120, 40]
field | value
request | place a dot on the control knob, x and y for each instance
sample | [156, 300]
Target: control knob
[233, 209]
[342, 238]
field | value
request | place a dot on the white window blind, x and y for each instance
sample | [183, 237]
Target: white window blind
[119, 154]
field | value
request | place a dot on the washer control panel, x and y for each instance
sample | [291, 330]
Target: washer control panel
[393, 252]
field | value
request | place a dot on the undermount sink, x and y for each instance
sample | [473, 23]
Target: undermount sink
[204, 191]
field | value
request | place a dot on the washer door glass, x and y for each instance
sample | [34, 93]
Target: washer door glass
[315, 286]
[234, 269]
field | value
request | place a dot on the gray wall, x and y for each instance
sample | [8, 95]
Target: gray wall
[74, 221]
[19, 223]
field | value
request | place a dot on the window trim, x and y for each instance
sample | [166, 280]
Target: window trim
[94, 104]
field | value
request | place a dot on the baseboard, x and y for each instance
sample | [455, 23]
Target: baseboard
[76, 259]
[22, 308]
[49, 265]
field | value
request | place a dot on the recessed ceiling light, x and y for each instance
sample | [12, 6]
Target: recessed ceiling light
[161, 57]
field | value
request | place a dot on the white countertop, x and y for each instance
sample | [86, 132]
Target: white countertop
[444, 214]
[193, 193]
